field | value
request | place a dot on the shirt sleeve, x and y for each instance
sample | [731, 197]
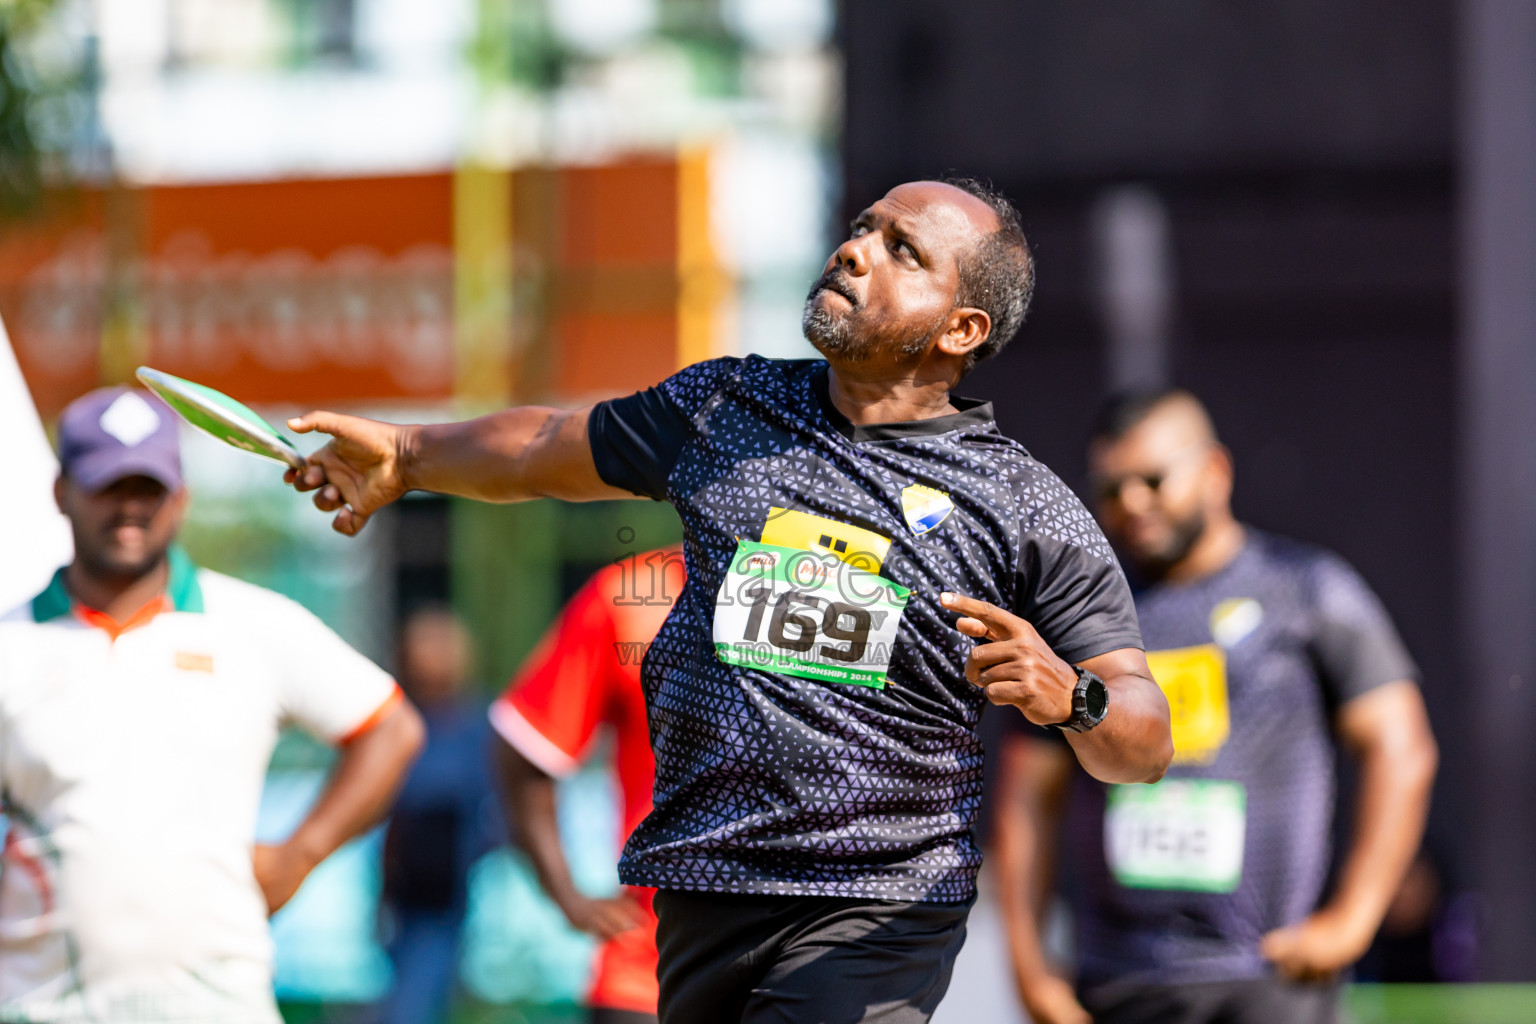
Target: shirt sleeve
[1354, 642]
[327, 688]
[552, 709]
[1070, 587]
[636, 440]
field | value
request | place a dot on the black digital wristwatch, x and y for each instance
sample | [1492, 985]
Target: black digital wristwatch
[1090, 702]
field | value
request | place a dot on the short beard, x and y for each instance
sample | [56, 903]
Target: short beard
[121, 572]
[1186, 534]
[835, 337]
[832, 336]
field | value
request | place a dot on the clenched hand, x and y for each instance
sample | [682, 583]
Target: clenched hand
[357, 473]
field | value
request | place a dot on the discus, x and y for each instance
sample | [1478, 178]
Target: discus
[221, 417]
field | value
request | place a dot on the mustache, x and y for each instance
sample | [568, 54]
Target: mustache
[835, 281]
[142, 522]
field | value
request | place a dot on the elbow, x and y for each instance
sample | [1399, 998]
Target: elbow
[1410, 760]
[1158, 758]
[1147, 764]
[1160, 737]
[1162, 758]
[1160, 744]
[1414, 755]
[1422, 763]
[1143, 749]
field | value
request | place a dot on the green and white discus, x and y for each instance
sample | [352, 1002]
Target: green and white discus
[221, 417]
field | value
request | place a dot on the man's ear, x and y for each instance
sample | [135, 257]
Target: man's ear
[1223, 475]
[58, 494]
[966, 330]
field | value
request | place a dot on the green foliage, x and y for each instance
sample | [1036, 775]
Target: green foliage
[20, 164]
[42, 112]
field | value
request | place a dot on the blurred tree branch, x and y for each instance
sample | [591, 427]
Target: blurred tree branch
[31, 153]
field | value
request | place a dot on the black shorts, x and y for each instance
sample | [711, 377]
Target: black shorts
[1255, 1001]
[803, 959]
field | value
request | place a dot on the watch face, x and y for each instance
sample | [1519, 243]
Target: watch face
[1097, 699]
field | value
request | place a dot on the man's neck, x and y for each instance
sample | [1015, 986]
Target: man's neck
[1218, 545]
[117, 596]
[900, 396]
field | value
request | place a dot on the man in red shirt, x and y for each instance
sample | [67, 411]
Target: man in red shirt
[585, 674]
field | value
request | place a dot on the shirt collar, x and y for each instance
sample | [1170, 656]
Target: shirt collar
[182, 591]
[973, 413]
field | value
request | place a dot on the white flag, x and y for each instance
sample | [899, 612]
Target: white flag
[34, 536]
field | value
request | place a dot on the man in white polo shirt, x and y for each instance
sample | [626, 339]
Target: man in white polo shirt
[140, 698]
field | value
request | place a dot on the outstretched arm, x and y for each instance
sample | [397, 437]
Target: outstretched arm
[513, 455]
[1014, 665]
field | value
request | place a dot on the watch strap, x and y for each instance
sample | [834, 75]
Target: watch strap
[1088, 708]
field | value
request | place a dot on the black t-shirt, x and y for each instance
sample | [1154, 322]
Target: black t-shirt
[1256, 659]
[768, 782]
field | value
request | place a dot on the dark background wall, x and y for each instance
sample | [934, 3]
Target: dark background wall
[1304, 152]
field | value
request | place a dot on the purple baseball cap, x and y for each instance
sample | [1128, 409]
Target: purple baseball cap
[113, 433]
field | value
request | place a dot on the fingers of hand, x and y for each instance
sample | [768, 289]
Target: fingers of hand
[614, 917]
[349, 522]
[1014, 659]
[308, 478]
[338, 484]
[997, 622]
[1291, 953]
[328, 498]
[975, 628]
[984, 657]
[1055, 1003]
[325, 422]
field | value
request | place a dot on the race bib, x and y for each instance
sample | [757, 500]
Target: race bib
[808, 614]
[1177, 834]
[1194, 679]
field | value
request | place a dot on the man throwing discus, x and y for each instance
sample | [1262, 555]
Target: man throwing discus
[869, 562]
[140, 699]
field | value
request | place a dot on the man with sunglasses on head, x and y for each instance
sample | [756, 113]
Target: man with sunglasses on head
[1200, 899]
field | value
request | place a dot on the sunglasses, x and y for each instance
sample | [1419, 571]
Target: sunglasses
[1109, 488]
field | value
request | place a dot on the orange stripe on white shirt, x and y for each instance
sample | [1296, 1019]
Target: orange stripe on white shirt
[379, 714]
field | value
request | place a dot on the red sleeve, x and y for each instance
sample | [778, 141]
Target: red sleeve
[550, 711]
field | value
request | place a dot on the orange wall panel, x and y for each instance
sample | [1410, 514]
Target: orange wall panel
[303, 291]
[345, 290]
[604, 354]
[53, 295]
[622, 214]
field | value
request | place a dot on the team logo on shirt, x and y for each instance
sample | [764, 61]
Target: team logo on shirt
[1232, 620]
[189, 661]
[925, 507]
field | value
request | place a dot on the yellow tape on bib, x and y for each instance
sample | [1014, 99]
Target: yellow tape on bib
[860, 548]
